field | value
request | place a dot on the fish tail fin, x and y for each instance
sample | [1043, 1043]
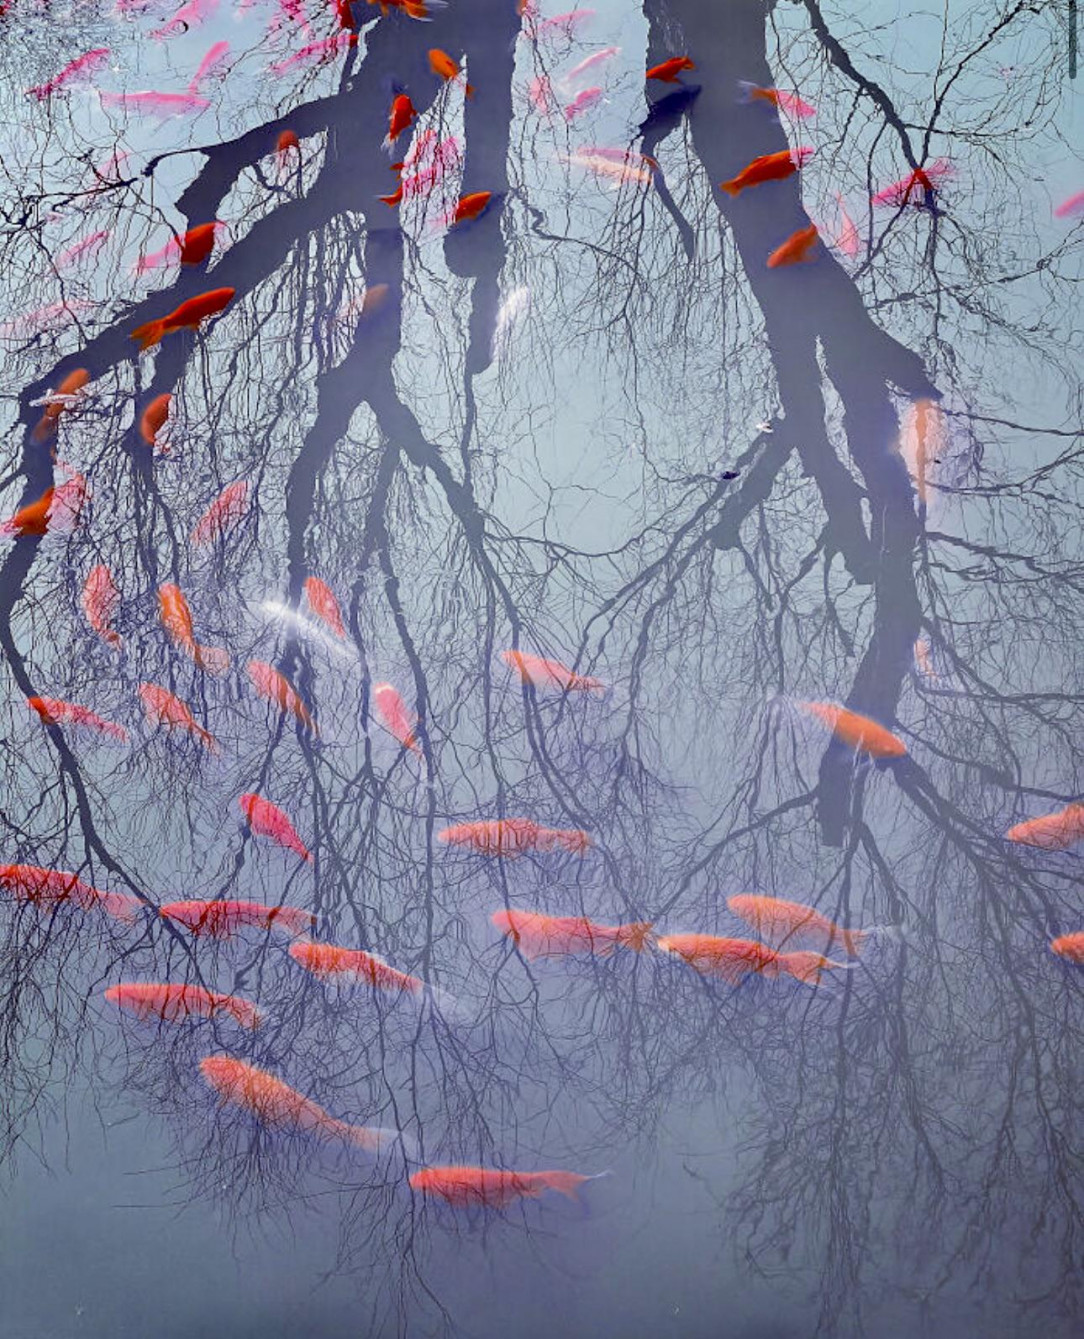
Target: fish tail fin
[470, 90]
[116, 732]
[747, 90]
[636, 935]
[212, 659]
[209, 741]
[810, 971]
[374, 1139]
[569, 1183]
[148, 335]
[731, 187]
[576, 841]
[392, 200]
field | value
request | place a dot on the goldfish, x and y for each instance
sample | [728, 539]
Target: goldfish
[177, 620]
[65, 395]
[922, 439]
[414, 9]
[540, 936]
[162, 708]
[630, 167]
[270, 684]
[465, 1186]
[83, 249]
[324, 605]
[422, 182]
[549, 673]
[277, 1104]
[49, 887]
[222, 919]
[393, 711]
[187, 316]
[100, 599]
[778, 921]
[913, 188]
[76, 69]
[1069, 946]
[153, 419]
[352, 966]
[591, 62]
[33, 519]
[797, 248]
[790, 103]
[153, 103]
[847, 239]
[286, 141]
[55, 712]
[470, 206]
[513, 836]
[174, 1003]
[212, 63]
[268, 820]
[226, 510]
[325, 49]
[345, 14]
[195, 11]
[734, 959]
[401, 117]
[668, 70]
[198, 242]
[442, 64]
[1070, 208]
[582, 102]
[768, 167]
[857, 732]
[1052, 832]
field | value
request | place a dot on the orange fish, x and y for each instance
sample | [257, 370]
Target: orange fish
[790, 103]
[734, 959]
[513, 836]
[779, 922]
[270, 684]
[226, 510]
[154, 418]
[393, 711]
[442, 64]
[198, 243]
[539, 936]
[768, 167]
[174, 1003]
[187, 316]
[276, 1103]
[669, 70]
[922, 439]
[415, 9]
[548, 673]
[48, 887]
[470, 206]
[1069, 946]
[60, 400]
[100, 600]
[34, 518]
[268, 820]
[353, 966]
[857, 732]
[177, 621]
[1052, 832]
[55, 712]
[163, 708]
[402, 115]
[466, 1186]
[286, 141]
[324, 605]
[222, 919]
[797, 248]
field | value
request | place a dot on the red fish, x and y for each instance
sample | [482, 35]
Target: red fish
[394, 713]
[222, 919]
[324, 605]
[922, 439]
[780, 922]
[163, 708]
[466, 1186]
[153, 418]
[470, 206]
[513, 836]
[48, 887]
[174, 1003]
[768, 167]
[734, 959]
[55, 712]
[353, 966]
[797, 248]
[226, 510]
[913, 188]
[442, 64]
[100, 601]
[187, 316]
[66, 394]
[857, 732]
[277, 1104]
[1069, 946]
[548, 673]
[790, 103]
[177, 621]
[270, 684]
[198, 243]
[401, 116]
[268, 820]
[58, 508]
[1052, 832]
[539, 936]
[286, 141]
[669, 70]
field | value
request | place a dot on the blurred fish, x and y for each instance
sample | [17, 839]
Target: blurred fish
[268, 820]
[510, 313]
[77, 69]
[213, 63]
[1071, 208]
[779, 922]
[798, 247]
[856, 731]
[187, 316]
[790, 103]
[198, 242]
[48, 887]
[153, 419]
[324, 605]
[847, 239]
[222, 919]
[540, 94]
[922, 442]
[544, 673]
[190, 14]
[345, 14]
[735, 959]
[414, 9]
[177, 620]
[34, 519]
[445, 68]
[162, 708]
[540, 936]
[400, 118]
[270, 684]
[65, 397]
[1052, 832]
[590, 63]
[354, 967]
[768, 167]
[326, 49]
[152, 103]
[924, 660]
[513, 836]
[172, 1002]
[565, 25]
[582, 102]
[619, 165]
[668, 70]
[466, 1186]
[84, 249]
[53, 711]
[225, 511]
[68, 499]
[394, 714]
[100, 600]
[1069, 946]
[916, 186]
[286, 141]
[39, 320]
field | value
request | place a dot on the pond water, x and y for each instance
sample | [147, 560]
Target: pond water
[531, 638]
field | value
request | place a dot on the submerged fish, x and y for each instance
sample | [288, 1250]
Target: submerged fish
[84, 249]
[544, 673]
[53, 711]
[400, 118]
[162, 708]
[324, 605]
[513, 836]
[222, 919]
[856, 731]
[445, 68]
[1052, 832]
[493, 1189]
[353, 966]
[226, 510]
[270, 684]
[1069, 946]
[1070, 208]
[153, 419]
[212, 63]
[668, 70]
[325, 49]
[916, 186]
[177, 620]
[469, 207]
[734, 959]
[48, 887]
[394, 714]
[779, 922]
[540, 936]
[798, 247]
[100, 600]
[582, 102]
[77, 69]
[790, 103]
[174, 1003]
[152, 103]
[268, 820]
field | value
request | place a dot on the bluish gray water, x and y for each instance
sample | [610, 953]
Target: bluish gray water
[592, 425]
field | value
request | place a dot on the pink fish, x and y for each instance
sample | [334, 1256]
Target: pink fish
[195, 11]
[68, 500]
[445, 158]
[1071, 208]
[154, 260]
[582, 102]
[789, 103]
[43, 318]
[150, 103]
[48, 887]
[394, 713]
[591, 62]
[228, 508]
[566, 25]
[422, 147]
[847, 239]
[268, 820]
[54, 711]
[100, 600]
[912, 189]
[211, 64]
[316, 51]
[81, 66]
[83, 249]
[540, 94]
[616, 164]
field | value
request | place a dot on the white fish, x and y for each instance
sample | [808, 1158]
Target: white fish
[512, 310]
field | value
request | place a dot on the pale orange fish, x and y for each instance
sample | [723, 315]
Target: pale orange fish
[540, 936]
[922, 441]
[100, 601]
[548, 673]
[268, 820]
[734, 959]
[177, 621]
[66, 396]
[48, 887]
[513, 836]
[494, 1189]
[324, 605]
[798, 248]
[226, 510]
[53, 711]
[779, 922]
[395, 716]
[163, 708]
[1052, 832]
[857, 732]
[923, 659]
[1069, 946]
[270, 684]
[173, 1002]
[222, 918]
[353, 966]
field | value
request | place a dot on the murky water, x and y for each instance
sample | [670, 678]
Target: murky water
[591, 425]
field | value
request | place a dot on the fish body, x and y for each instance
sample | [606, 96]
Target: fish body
[188, 316]
[590, 63]
[286, 141]
[629, 167]
[353, 966]
[513, 836]
[153, 419]
[768, 167]
[1070, 208]
[790, 103]
[922, 440]
[172, 1002]
[84, 249]
[43, 318]
[49, 887]
[847, 239]
[60, 400]
[667, 71]
[77, 69]
[226, 510]
[856, 731]
[1069, 946]
[779, 922]
[198, 242]
[798, 247]
[152, 103]
[394, 714]
[53, 711]
[325, 49]
[177, 621]
[540, 936]
[324, 605]
[470, 206]
[270, 684]
[717, 955]
[445, 68]
[542, 673]
[1051, 832]
[162, 708]
[582, 102]
[916, 186]
[222, 919]
[268, 820]
[33, 519]
[401, 116]
[492, 1188]
[100, 600]
[212, 63]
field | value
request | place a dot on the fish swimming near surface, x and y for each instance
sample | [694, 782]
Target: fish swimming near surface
[916, 186]
[163, 708]
[469, 207]
[790, 103]
[856, 731]
[149, 102]
[618, 166]
[268, 820]
[101, 600]
[734, 959]
[1071, 208]
[66, 395]
[847, 239]
[177, 620]
[75, 70]
[922, 442]
[213, 63]
[589, 63]
[153, 419]
[768, 167]
[779, 922]
[225, 511]
[798, 247]
[49, 887]
[188, 316]
[582, 102]
[514, 836]
[492, 1188]
[222, 919]
[1070, 946]
[443, 66]
[198, 242]
[53, 711]
[84, 249]
[270, 684]
[33, 519]
[1051, 832]
[353, 966]
[324, 605]
[393, 712]
[400, 118]
[286, 141]
[542, 673]
[668, 70]
[173, 1002]
[539, 936]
